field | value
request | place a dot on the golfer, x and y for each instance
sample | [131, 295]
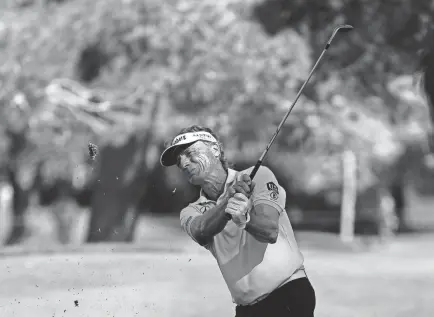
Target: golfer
[245, 227]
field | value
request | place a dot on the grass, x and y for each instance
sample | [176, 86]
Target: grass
[396, 280]
[166, 274]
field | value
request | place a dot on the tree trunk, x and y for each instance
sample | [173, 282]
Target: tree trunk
[21, 194]
[20, 203]
[120, 184]
[114, 192]
[398, 194]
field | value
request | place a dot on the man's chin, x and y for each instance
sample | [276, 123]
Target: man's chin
[195, 180]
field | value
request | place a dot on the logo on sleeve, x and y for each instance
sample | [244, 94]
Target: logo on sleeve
[274, 194]
[273, 187]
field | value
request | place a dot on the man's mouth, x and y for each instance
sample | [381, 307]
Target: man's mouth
[191, 172]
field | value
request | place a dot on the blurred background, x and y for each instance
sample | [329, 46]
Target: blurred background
[91, 91]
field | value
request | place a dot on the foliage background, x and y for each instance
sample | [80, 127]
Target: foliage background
[231, 65]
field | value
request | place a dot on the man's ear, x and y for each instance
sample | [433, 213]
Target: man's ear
[215, 149]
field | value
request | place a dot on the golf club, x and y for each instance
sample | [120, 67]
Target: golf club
[339, 28]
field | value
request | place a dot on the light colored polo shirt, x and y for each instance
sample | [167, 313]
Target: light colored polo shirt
[251, 269]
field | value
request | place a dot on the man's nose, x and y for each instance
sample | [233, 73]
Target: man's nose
[183, 162]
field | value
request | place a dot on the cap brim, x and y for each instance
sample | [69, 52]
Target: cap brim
[169, 156]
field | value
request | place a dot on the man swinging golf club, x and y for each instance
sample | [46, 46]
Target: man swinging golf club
[244, 224]
[245, 227]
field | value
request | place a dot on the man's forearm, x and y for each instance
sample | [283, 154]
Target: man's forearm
[262, 226]
[259, 233]
[209, 224]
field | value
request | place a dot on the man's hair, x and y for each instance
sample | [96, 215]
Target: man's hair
[197, 128]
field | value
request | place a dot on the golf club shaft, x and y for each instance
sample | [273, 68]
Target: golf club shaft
[262, 157]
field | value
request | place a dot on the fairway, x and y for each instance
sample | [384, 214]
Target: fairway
[395, 281]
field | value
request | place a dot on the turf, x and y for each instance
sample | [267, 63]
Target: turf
[393, 281]
[166, 274]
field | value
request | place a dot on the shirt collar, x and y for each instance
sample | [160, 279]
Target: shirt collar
[229, 180]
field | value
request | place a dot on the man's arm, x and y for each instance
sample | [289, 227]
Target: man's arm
[264, 223]
[204, 227]
[268, 199]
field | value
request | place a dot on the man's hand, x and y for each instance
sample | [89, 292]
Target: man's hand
[239, 207]
[244, 185]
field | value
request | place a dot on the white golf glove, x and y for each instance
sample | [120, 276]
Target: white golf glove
[239, 207]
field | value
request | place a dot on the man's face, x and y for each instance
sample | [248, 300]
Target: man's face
[197, 161]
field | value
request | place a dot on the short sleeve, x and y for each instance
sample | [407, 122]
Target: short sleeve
[186, 217]
[267, 190]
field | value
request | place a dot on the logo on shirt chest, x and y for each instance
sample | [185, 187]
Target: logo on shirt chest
[203, 207]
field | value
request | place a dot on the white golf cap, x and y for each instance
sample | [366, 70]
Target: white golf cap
[182, 141]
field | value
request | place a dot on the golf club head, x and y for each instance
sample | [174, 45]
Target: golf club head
[344, 28]
[339, 28]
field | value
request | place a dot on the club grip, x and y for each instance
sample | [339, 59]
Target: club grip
[255, 169]
[252, 174]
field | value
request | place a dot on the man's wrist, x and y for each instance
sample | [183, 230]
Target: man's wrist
[240, 223]
[243, 226]
[223, 204]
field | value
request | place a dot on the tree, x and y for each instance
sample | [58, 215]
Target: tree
[233, 66]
